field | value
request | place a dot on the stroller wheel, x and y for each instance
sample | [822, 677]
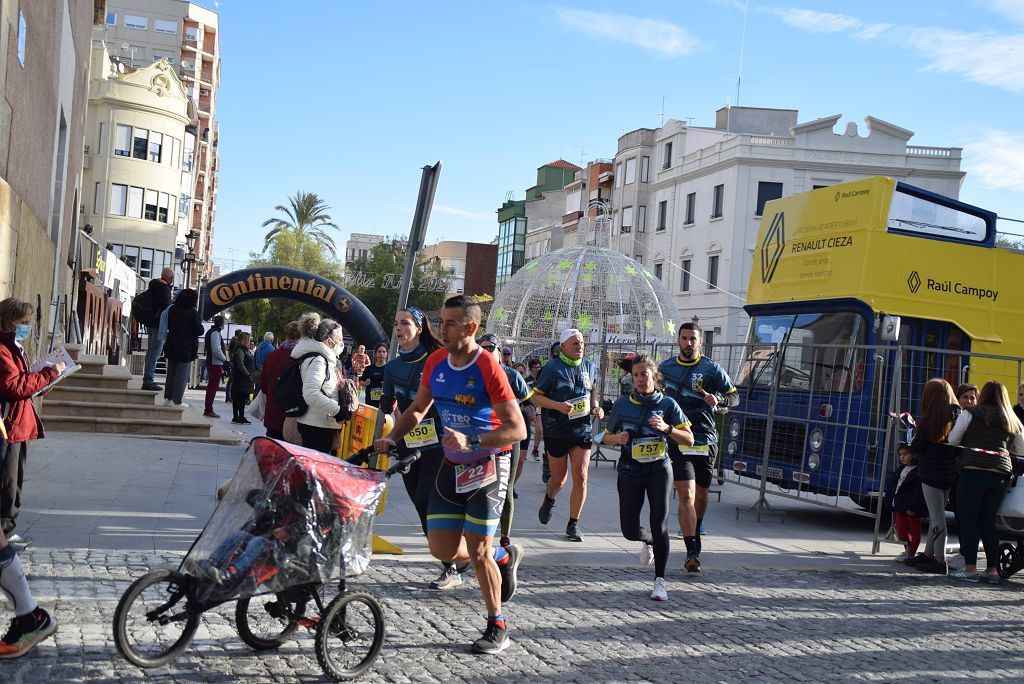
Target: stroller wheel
[1007, 560]
[350, 635]
[266, 621]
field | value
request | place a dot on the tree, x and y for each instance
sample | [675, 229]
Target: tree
[376, 279]
[304, 220]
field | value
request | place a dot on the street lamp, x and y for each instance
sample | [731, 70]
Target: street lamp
[190, 255]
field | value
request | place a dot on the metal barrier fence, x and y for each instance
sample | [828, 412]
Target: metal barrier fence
[816, 423]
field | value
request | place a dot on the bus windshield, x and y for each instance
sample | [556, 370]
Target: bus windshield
[806, 362]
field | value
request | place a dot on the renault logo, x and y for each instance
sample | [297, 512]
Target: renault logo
[914, 282]
[772, 248]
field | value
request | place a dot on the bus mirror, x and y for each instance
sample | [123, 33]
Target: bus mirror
[889, 330]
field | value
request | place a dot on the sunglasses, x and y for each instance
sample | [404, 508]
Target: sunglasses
[488, 347]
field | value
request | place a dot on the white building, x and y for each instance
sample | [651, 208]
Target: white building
[688, 200]
[360, 246]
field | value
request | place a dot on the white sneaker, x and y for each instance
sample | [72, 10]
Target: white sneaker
[183, 405]
[660, 592]
[167, 402]
[900, 558]
[647, 555]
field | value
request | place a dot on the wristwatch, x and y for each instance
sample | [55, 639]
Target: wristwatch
[669, 431]
[474, 442]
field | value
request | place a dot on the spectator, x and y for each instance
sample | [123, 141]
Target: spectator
[1018, 408]
[321, 381]
[263, 351]
[966, 395]
[184, 328]
[990, 426]
[936, 465]
[905, 499]
[19, 419]
[231, 350]
[273, 419]
[243, 369]
[216, 357]
[161, 288]
[506, 356]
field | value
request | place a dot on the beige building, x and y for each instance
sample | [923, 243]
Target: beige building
[139, 161]
[44, 73]
[141, 32]
[360, 245]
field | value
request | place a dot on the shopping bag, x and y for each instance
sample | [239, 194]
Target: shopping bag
[1013, 503]
[258, 406]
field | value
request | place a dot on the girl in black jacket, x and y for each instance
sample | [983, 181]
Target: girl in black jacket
[905, 499]
[184, 328]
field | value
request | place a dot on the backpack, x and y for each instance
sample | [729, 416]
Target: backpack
[143, 309]
[288, 390]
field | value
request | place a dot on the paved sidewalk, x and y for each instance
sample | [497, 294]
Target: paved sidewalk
[802, 600]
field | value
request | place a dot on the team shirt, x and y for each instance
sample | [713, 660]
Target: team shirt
[562, 379]
[401, 382]
[465, 396]
[683, 382]
[646, 445]
[375, 390]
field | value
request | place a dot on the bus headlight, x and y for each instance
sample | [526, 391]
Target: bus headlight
[731, 448]
[734, 429]
[813, 461]
[816, 439]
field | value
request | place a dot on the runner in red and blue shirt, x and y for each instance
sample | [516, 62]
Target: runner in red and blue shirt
[481, 420]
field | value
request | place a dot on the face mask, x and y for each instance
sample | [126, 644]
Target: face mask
[22, 331]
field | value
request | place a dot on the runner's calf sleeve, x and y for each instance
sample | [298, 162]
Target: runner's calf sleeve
[13, 582]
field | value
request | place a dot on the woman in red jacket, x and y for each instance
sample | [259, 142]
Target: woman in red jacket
[21, 423]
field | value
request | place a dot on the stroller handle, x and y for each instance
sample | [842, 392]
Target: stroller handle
[402, 465]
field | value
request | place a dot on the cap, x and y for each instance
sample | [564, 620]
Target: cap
[506, 350]
[489, 338]
[567, 334]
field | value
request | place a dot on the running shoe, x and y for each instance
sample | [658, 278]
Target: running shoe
[963, 575]
[914, 560]
[692, 562]
[21, 540]
[509, 572]
[25, 632]
[902, 558]
[932, 566]
[700, 528]
[536, 455]
[647, 555]
[505, 541]
[448, 579]
[572, 532]
[494, 640]
[660, 592]
[545, 510]
[992, 579]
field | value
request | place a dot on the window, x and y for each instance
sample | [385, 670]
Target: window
[691, 208]
[149, 208]
[111, 18]
[22, 37]
[817, 187]
[666, 156]
[709, 341]
[684, 283]
[146, 263]
[156, 143]
[141, 143]
[765, 193]
[717, 201]
[122, 141]
[194, 34]
[641, 219]
[627, 219]
[163, 211]
[657, 271]
[99, 140]
[134, 22]
[135, 202]
[130, 256]
[175, 151]
[96, 198]
[118, 198]
[638, 258]
[183, 203]
[645, 164]
[163, 54]
[165, 26]
[713, 272]
[630, 171]
[187, 158]
[618, 175]
[662, 214]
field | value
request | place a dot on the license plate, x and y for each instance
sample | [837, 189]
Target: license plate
[773, 472]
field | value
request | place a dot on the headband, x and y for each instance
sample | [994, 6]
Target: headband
[417, 315]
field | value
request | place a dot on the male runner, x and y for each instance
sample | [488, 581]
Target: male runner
[481, 420]
[568, 397]
[694, 381]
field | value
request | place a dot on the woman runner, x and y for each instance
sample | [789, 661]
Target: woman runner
[373, 376]
[641, 424]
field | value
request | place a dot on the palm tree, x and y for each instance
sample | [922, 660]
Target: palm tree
[306, 218]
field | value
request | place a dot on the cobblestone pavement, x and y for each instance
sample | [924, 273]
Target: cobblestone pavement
[577, 623]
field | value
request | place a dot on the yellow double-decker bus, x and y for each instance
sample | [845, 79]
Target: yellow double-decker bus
[860, 293]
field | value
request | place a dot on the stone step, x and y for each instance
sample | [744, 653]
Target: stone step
[103, 409]
[212, 439]
[138, 397]
[127, 426]
[85, 379]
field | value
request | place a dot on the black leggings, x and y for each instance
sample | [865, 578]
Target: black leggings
[419, 481]
[656, 487]
[317, 438]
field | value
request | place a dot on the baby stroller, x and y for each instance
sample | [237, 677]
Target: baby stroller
[291, 520]
[1011, 555]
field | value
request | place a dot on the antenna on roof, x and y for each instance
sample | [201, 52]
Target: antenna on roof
[662, 112]
[743, 40]
[509, 195]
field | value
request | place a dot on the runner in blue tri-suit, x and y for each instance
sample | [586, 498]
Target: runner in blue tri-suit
[481, 420]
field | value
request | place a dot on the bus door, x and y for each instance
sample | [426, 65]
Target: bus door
[944, 356]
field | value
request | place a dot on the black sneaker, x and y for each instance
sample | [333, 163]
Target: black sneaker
[692, 563]
[545, 510]
[151, 387]
[932, 566]
[508, 572]
[572, 532]
[494, 640]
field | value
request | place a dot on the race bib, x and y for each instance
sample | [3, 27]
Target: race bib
[646, 449]
[580, 407]
[694, 450]
[424, 434]
[469, 478]
[376, 394]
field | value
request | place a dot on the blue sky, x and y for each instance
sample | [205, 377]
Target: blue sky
[350, 99]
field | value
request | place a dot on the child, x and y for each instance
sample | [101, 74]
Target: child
[360, 360]
[903, 490]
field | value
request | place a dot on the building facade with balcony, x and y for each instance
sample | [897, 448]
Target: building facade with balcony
[142, 32]
[138, 163]
[688, 200]
[360, 246]
[454, 259]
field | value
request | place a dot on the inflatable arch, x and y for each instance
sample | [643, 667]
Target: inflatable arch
[281, 282]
